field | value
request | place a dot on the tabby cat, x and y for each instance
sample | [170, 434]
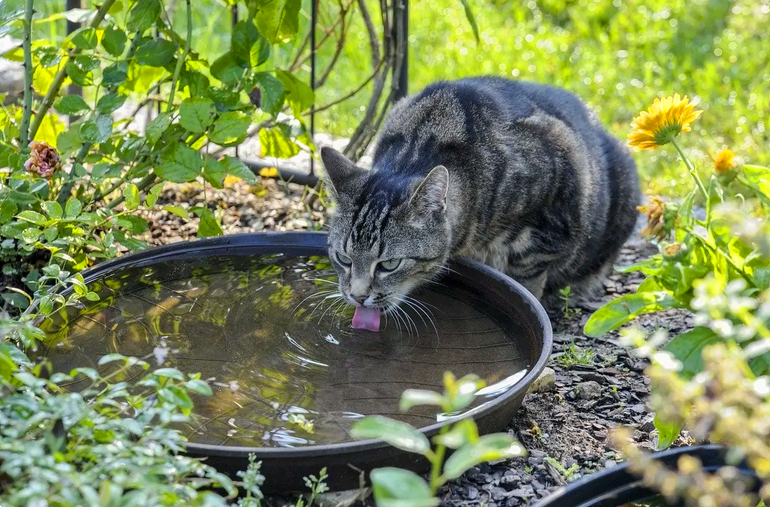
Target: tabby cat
[518, 175]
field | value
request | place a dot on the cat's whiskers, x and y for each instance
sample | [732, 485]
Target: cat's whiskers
[422, 311]
[323, 293]
[333, 298]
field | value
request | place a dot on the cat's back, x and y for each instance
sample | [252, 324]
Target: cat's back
[464, 111]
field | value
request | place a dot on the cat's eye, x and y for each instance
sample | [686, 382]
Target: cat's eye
[390, 264]
[344, 259]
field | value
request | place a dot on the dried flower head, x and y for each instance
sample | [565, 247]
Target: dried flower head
[43, 160]
[724, 161]
[665, 119]
[661, 217]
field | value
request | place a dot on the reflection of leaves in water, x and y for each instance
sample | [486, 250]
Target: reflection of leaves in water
[282, 297]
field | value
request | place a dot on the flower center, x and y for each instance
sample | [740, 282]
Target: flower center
[667, 132]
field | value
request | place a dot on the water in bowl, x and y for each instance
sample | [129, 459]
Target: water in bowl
[287, 369]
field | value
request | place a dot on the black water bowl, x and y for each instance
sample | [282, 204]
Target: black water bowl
[619, 487]
[257, 313]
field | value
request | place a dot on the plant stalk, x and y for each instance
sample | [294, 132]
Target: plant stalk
[180, 61]
[58, 80]
[24, 136]
[691, 168]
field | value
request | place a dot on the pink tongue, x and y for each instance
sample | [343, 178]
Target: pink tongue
[366, 318]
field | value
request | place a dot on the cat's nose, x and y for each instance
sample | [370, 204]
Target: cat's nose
[359, 299]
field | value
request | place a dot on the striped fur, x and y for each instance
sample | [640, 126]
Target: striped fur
[518, 175]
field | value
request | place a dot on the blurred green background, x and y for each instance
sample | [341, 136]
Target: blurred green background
[618, 55]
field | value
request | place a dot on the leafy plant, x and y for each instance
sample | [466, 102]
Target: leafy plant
[575, 355]
[76, 193]
[394, 486]
[109, 444]
[725, 403]
[728, 247]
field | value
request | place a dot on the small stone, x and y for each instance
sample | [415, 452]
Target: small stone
[545, 382]
[472, 493]
[589, 390]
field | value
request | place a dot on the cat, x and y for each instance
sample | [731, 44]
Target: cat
[518, 175]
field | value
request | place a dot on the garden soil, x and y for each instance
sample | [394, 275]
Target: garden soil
[596, 384]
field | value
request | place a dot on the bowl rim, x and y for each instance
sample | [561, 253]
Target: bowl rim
[297, 240]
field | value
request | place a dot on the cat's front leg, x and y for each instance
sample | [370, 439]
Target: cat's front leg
[534, 284]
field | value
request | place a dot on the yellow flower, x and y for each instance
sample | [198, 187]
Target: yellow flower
[724, 161]
[664, 120]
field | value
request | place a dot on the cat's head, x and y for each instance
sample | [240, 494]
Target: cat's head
[389, 233]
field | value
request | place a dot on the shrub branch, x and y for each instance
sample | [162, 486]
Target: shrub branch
[28, 74]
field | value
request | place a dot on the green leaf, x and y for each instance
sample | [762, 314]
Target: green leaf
[181, 165]
[244, 36]
[396, 433]
[667, 433]
[198, 386]
[487, 448]
[227, 69]
[96, 130]
[177, 210]
[169, 373]
[110, 102]
[278, 20]
[109, 358]
[230, 128]
[78, 75]
[471, 19]
[114, 40]
[260, 52]
[758, 178]
[624, 309]
[214, 172]
[53, 209]
[176, 396]
[687, 348]
[272, 92]
[273, 143]
[33, 217]
[238, 169]
[71, 104]
[144, 15]
[419, 397]
[131, 195]
[299, 95]
[395, 487]
[157, 127]
[73, 207]
[7, 211]
[208, 225]
[462, 432]
[115, 74]
[196, 114]
[85, 38]
[155, 52]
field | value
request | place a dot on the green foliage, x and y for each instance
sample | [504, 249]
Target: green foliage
[109, 444]
[396, 487]
[111, 174]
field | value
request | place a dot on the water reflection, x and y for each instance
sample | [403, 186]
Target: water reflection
[287, 368]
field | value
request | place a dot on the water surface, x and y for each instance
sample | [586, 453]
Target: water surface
[286, 367]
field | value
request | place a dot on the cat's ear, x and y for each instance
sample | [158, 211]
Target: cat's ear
[429, 196]
[341, 173]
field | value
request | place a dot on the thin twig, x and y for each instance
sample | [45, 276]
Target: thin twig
[58, 80]
[28, 74]
[327, 33]
[180, 61]
[337, 50]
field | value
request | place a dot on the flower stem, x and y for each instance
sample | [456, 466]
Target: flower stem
[180, 61]
[690, 168]
[28, 74]
[58, 80]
